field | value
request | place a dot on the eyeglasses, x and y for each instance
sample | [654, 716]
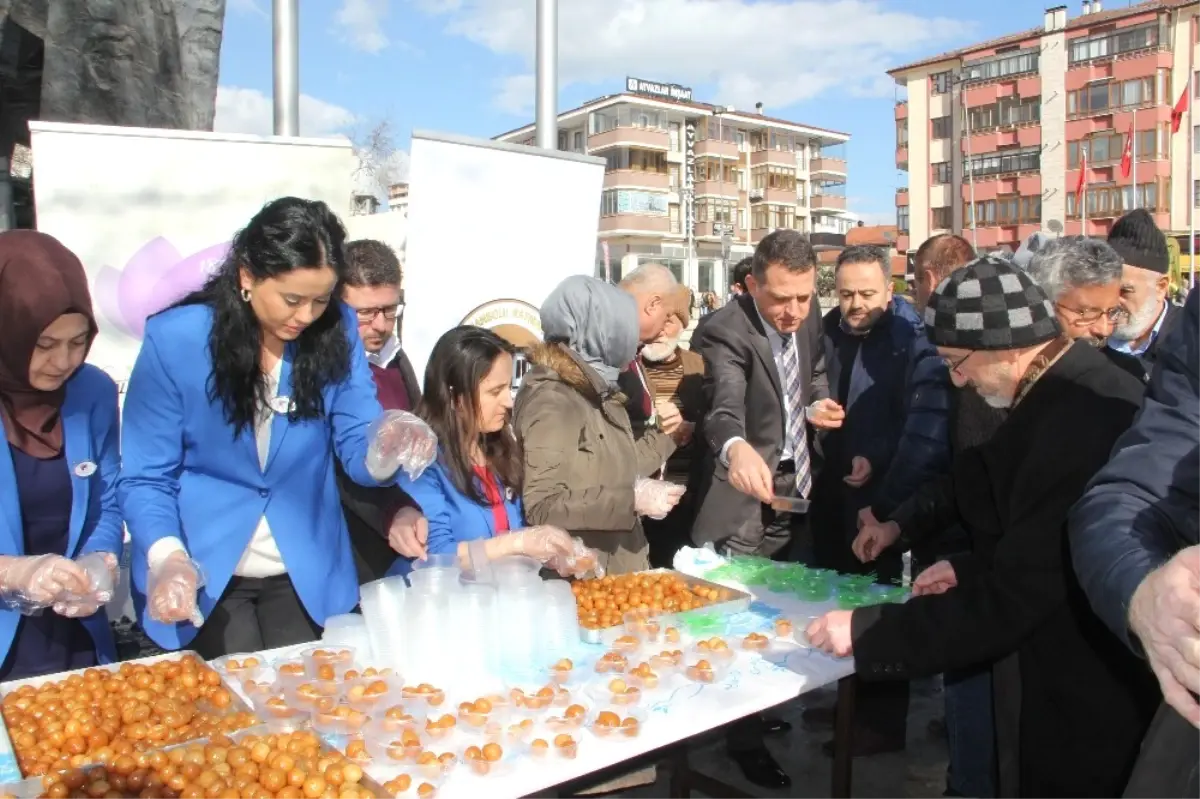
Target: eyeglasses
[954, 366]
[1086, 316]
[368, 315]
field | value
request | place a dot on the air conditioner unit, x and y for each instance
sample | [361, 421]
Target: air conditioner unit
[756, 194]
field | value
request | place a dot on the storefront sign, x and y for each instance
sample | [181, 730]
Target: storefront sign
[669, 91]
[689, 182]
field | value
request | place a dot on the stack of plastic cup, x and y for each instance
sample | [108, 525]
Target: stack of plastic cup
[469, 640]
[521, 609]
[515, 570]
[561, 620]
[383, 605]
[349, 629]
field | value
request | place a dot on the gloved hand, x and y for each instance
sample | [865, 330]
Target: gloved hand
[582, 560]
[399, 440]
[101, 569]
[542, 543]
[655, 498]
[30, 583]
[171, 590]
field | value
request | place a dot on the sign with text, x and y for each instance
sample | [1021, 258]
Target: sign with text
[668, 91]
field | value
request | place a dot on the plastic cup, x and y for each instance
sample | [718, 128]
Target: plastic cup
[616, 692]
[328, 662]
[602, 724]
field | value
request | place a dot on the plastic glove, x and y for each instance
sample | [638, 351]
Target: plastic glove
[579, 563]
[101, 569]
[399, 440]
[655, 498]
[542, 543]
[29, 584]
[171, 590]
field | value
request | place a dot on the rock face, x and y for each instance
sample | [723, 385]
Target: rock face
[143, 63]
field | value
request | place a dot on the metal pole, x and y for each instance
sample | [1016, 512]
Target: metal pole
[1133, 159]
[286, 29]
[547, 74]
[970, 165]
[1083, 165]
[1191, 193]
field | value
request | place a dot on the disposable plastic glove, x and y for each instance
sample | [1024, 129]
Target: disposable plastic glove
[655, 498]
[31, 583]
[101, 569]
[579, 563]
[171, 590]
[542, 543]
[399, 440]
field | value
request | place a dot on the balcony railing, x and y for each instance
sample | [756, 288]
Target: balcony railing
[829, 165]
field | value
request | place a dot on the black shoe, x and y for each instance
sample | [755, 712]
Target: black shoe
[775, 726]
[760, 768]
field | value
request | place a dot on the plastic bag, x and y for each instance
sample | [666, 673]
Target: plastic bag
[171, 590]
[399, 440]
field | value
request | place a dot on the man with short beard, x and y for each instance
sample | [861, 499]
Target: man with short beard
[1144, 284]
[1082, 278]
[676, 375]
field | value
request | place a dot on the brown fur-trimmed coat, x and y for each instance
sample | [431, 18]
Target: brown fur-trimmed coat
[581, 457]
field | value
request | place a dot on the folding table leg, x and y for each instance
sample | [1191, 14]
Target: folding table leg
[843, 733]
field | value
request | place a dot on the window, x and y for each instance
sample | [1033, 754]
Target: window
[940, 83]
[901, 132]
[1017, 111]
[1101, 98]
[943, 218]
[1108, 147]
[562, 139]
[773, 177]
[623, 201]
[1000, 162]
[1111, 201]
[1196, 193]
[1112, 44]
[758, 216]
[1011, 209]
[713, 209]
[673, 171]
[942, 128]
[624, 116]
[578, 141]
[1196, 138]
[942, 173]
[902, 218]
[1001, 66]
[772, 216]
[627, 158]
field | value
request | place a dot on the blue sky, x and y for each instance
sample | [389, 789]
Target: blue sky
[465, 66]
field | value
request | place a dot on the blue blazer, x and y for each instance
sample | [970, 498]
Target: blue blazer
[184, 473]
[453, 517]
[91, 435]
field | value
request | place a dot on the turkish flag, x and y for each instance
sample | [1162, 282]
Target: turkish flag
[1082, 178]
[1127, 155]
[1181, 107]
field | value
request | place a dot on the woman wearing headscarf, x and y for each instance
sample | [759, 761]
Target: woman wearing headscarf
[60, 527]
[240, 399]
[584, 470]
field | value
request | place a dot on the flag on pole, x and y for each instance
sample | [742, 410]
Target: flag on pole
[1083, 165]
[1181, 107]
[1127, 155]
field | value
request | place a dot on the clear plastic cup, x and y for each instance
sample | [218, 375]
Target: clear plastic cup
[554, 745]
[392, 744]
[616, 723]
[276, 708]
[533, 695]
[290, 672]
[491, 759]
[611, 663]
[403, 715]
[649, 679]
[328, 662]
[618, 691]
[369, 694]
[716, 648]
[643, 624]
[240, 665]
[436, 762]
[476, 715]
[666, 662]
[424, 692]
[310, 692]
[338, 719]
[754, 642]
[407, 783]
[700, 666]
[515, 569]
[440, 726]
[567, 719]
[627, 644]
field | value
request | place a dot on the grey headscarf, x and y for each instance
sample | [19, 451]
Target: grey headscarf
[595, 319]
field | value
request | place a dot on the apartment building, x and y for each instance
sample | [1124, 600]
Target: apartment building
[695, 186]
[993, 136]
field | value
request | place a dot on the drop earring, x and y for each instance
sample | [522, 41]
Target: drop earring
[245, 295]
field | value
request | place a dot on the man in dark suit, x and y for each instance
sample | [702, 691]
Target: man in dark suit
[764, 386]
[382, 521]
[1145, 280]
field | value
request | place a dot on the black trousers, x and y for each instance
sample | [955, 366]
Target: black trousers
[253, 614]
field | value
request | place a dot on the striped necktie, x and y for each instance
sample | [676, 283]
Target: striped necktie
[795, 430]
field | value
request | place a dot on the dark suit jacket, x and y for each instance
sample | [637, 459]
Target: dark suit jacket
[744, 398]
[1140, 366]
[369, 511]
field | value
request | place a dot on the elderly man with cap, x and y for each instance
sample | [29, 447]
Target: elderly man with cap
[1145, 280]
[1077, 711]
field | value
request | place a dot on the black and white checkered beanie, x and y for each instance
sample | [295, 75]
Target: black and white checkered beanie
[990, 304]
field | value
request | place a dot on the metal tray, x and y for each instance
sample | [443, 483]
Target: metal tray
[8, 760]
[739, 602]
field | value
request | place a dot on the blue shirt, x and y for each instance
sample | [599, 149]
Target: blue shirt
[1128, 348]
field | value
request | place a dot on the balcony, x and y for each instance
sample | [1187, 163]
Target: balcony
[650, 138]
[828, 166]
[901, 197]
[902, 109]
[780, 157]
[641, 223]
[781, 196]
[828, 202]
[657, 181]
[902, 158]
[718, 188]
[725, 149]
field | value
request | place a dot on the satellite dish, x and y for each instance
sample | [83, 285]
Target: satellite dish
[1054, 226]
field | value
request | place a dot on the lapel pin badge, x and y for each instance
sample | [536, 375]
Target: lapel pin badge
[282, 405]
[85, 469]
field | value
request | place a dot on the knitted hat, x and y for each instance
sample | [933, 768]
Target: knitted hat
[1139, 242]
[989, 304]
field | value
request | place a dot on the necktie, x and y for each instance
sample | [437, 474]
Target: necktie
[794, 408]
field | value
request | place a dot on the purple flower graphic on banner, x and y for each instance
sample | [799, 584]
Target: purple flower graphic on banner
[156, 276]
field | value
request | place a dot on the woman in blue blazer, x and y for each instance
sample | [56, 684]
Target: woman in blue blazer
[471, 494]
[240, 399]
[60, 527]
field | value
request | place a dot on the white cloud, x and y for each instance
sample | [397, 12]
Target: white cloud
[777, 52]
[251, 111]
[360, 23]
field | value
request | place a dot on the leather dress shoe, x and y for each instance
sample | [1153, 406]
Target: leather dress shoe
[773, 725]
[760, 768]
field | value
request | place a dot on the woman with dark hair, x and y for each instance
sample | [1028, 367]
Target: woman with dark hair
[240, 398]
[60, 527]
[471, 493]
